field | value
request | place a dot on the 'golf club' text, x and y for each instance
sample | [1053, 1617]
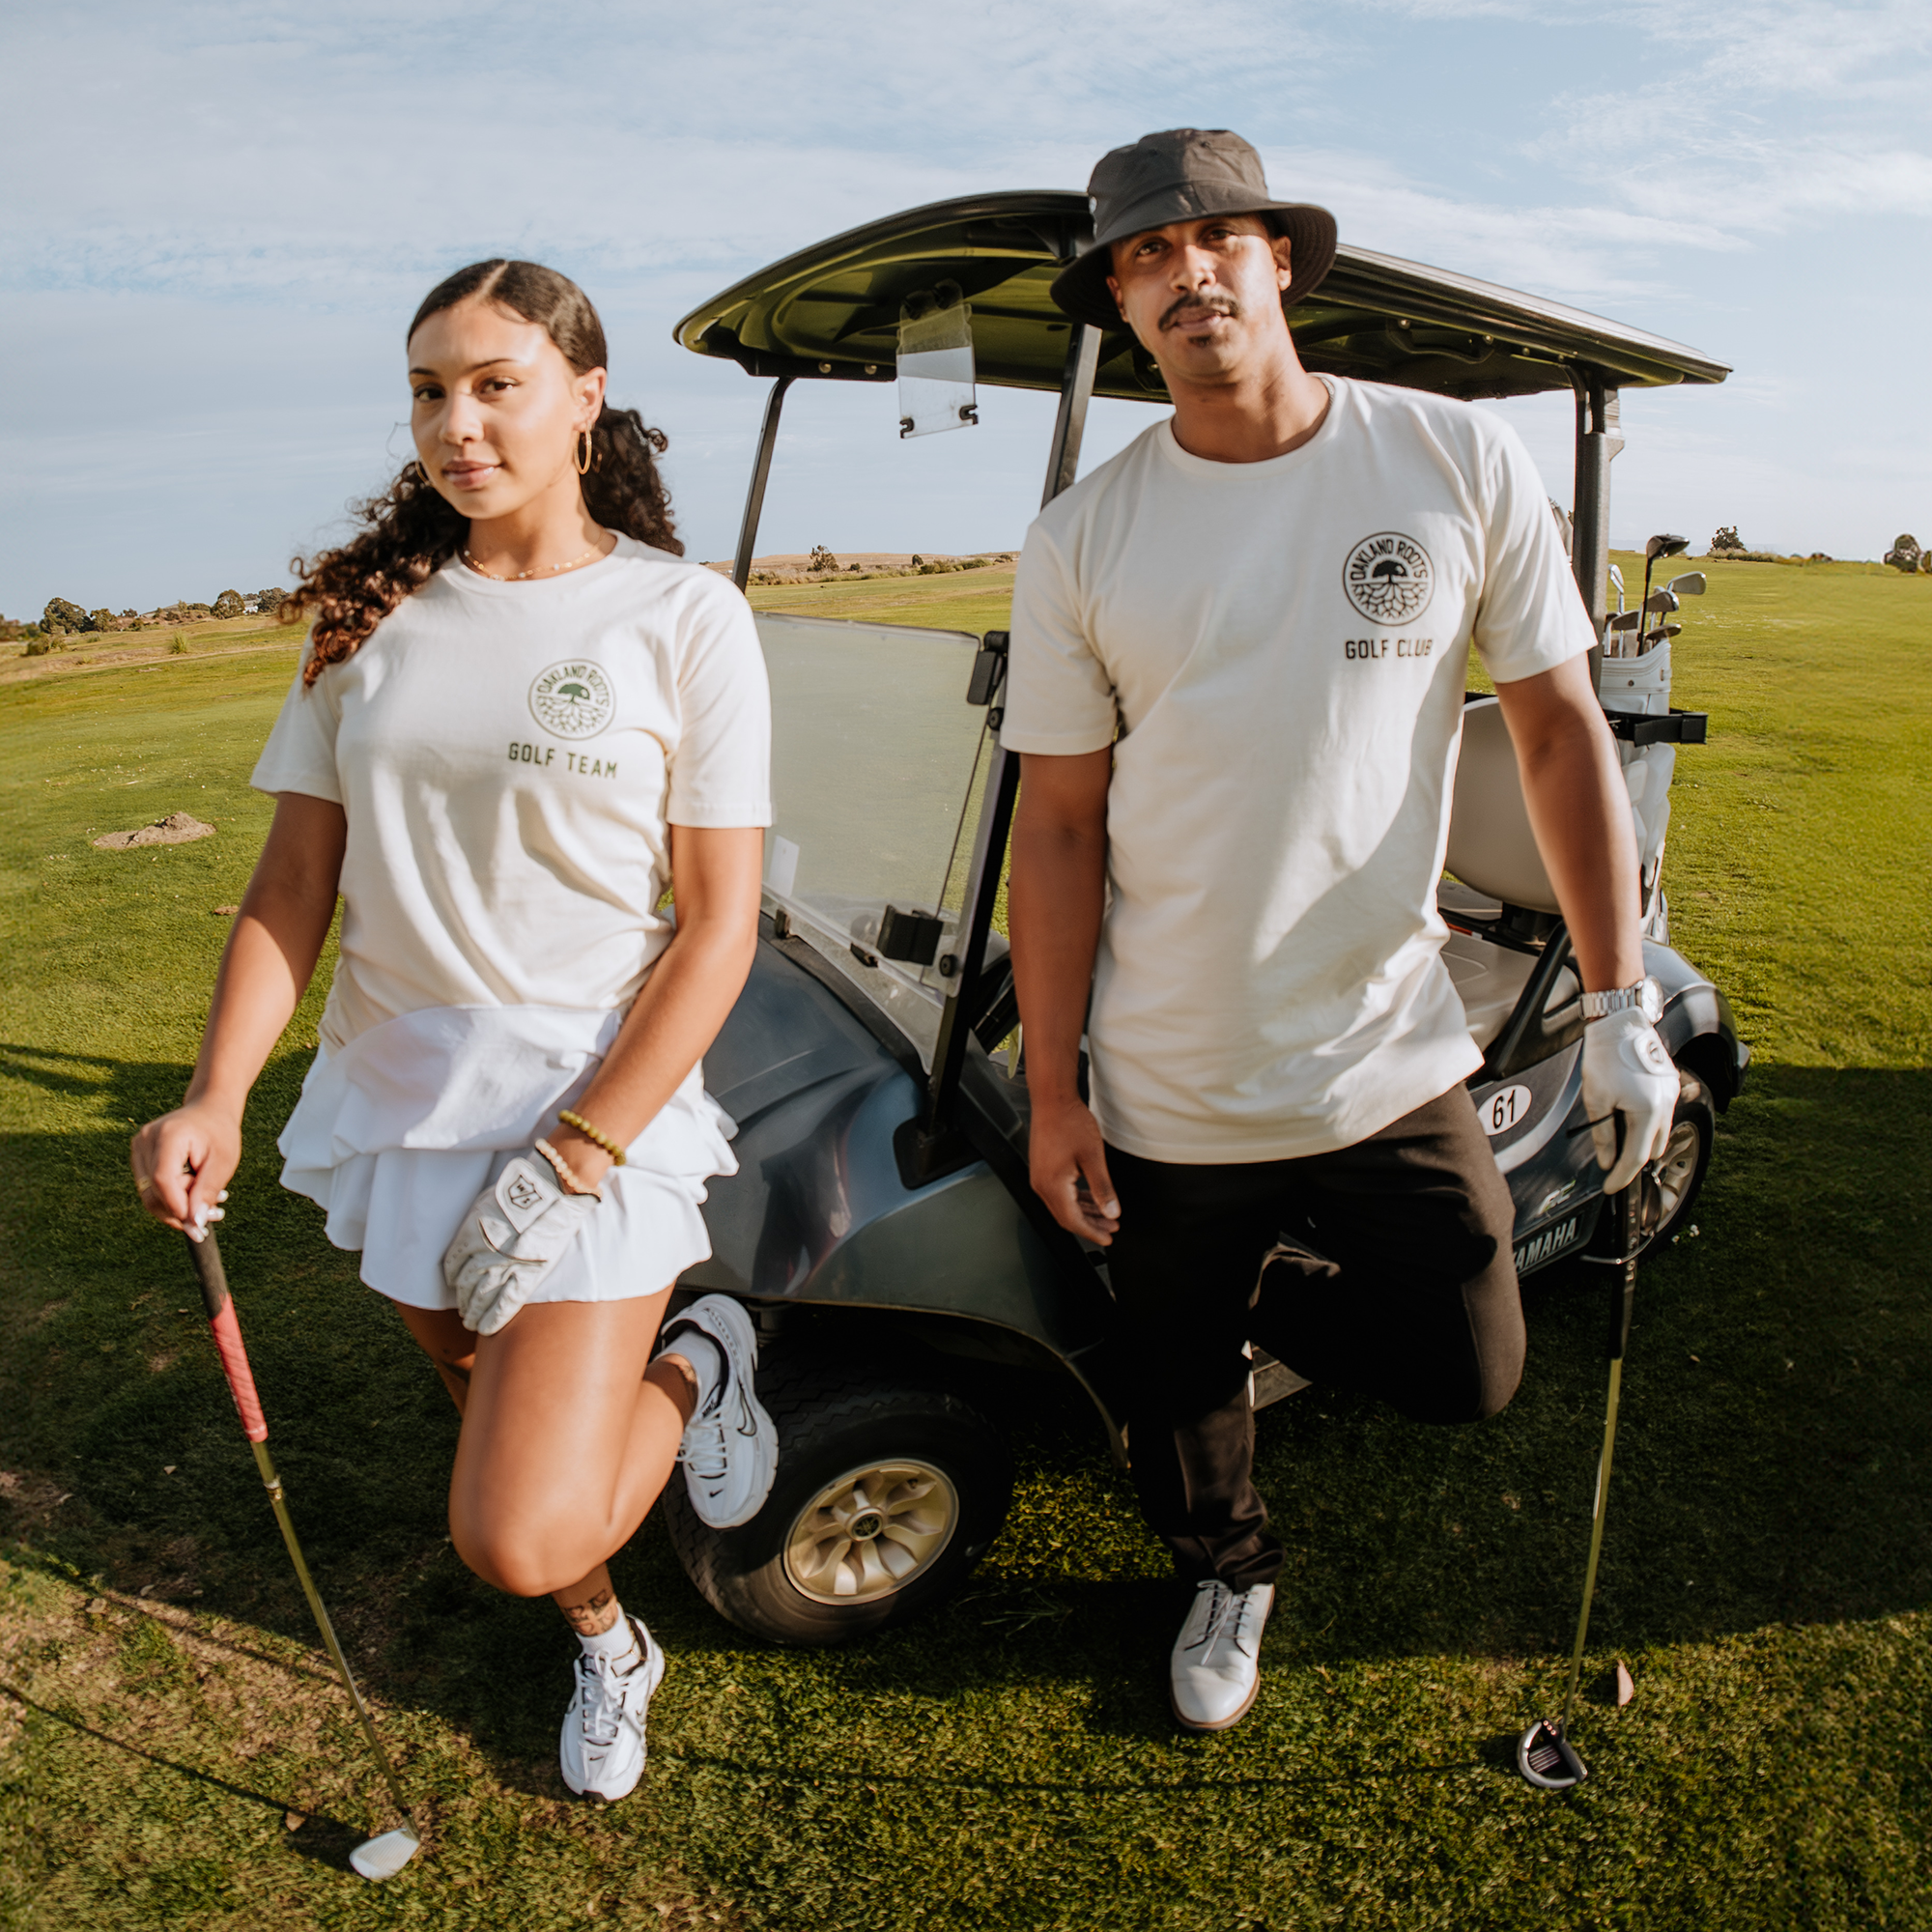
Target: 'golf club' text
[1355, 648]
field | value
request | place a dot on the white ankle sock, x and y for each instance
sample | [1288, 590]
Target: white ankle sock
[617, 1643]
[705, 1357]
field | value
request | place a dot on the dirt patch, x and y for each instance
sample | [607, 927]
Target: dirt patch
[176, 828]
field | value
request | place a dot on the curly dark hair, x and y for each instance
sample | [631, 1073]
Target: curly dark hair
[411, 531]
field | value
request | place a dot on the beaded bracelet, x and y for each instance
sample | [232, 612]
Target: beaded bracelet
[596, 1136]
[573, 1181]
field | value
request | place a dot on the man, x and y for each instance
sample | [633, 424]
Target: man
[1238, 655]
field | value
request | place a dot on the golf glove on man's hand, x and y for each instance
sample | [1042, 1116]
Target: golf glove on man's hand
[511, 1238]
[1627, 1071]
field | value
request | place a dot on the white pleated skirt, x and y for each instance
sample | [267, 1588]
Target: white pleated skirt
[398, 1132]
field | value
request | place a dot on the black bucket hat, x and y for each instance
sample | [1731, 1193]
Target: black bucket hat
[1180, 176]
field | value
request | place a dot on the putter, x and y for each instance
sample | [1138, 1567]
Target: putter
[1543, 1754]
[388, 1852]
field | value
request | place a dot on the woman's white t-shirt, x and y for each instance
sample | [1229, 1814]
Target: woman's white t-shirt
[1280, 648]
[510, 757]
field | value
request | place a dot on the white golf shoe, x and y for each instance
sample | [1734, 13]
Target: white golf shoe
[731, 1447]
[1215, 1669]
[603, 1748]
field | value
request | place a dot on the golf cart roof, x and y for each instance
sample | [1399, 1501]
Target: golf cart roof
[831, 311]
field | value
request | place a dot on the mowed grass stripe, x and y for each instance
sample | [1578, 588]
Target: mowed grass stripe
[1008, 1762]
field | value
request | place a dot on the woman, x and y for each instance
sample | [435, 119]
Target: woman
[519, 716]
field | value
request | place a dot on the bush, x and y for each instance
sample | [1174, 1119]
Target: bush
[228, 603]
[62, 616]
[822, 558]
[41, 642]
[1727, 539]
[1905, 553]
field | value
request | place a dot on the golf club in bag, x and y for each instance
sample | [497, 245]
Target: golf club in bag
[1543, 1754]
[386, 1853]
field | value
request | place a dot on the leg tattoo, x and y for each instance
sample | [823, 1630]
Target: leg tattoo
[594, 1615]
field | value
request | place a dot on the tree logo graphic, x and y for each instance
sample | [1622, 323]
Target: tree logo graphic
[1389, 578]
[573, 701]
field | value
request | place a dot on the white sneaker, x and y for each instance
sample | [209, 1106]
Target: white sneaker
[731, 1447]
[1215, 1669]
[603, 1748]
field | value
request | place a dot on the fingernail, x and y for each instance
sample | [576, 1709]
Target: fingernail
[1112, 1211]
[223, 1195]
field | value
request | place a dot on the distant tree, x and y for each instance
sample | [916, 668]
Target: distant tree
[1727, 539]
[61, 616]
[228, 603]
[822, 558]
[1905, 553]
[269, 601]
[101, 620]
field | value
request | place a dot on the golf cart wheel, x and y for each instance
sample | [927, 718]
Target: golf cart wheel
[1671, 1185]
[886, 1495]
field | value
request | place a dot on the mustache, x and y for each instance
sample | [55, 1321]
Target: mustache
[1214, 303]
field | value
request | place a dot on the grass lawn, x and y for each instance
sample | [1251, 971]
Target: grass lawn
[172, 1752]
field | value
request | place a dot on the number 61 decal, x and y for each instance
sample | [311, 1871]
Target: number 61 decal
[1506, 1108]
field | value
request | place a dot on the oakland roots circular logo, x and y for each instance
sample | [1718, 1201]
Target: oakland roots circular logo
[1389, 578]
[572, 700]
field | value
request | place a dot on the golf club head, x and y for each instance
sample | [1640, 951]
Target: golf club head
[1661, 600]
[385, 1854]
[1692, 583]
[1627, 620]
[1665, 546]
[1616, 579]
[1546, 1758]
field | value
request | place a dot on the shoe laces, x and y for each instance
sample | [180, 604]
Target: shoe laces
[701, 1449]
[1221, 1602]
[605, 1687]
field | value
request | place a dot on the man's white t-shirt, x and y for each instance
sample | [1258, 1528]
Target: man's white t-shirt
[1281, 647]
[510, 757]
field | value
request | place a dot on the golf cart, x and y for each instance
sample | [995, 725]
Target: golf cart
[881, 1225]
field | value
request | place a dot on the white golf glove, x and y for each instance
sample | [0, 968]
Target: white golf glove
[510, 1238]
[1627, 1073]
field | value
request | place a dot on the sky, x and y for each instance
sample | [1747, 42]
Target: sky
[210, 244]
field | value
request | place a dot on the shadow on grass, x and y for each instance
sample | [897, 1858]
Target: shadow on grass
[322, 1839]
[1770, 1468]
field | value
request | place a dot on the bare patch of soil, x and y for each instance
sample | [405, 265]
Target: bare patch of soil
[178, 828]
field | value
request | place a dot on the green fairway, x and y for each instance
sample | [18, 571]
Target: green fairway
[1008, 1763]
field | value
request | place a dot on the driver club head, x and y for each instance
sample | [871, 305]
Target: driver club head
[385, 1854]
[1546, 1758]
[1665, 546]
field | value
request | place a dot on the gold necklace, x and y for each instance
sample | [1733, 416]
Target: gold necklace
[535, 570]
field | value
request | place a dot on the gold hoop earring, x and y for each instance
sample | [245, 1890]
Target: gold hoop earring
[583, 459]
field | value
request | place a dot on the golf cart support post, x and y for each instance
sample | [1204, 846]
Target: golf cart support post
[880, 1219]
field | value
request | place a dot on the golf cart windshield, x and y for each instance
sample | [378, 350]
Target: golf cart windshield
[876, 763]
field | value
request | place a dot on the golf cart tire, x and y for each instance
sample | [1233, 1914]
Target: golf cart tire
[833, 1422]
[1694, 1114]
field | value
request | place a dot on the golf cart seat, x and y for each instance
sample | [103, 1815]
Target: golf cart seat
[1497, 867]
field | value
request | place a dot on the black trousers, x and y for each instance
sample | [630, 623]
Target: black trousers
[1400, 1283]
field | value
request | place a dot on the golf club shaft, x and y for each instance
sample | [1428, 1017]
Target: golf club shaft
[1628, 1211]
[228, 1343]
[1596, 1541]
[273, 1482]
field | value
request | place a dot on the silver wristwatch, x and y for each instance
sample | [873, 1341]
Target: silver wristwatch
[1646, 996]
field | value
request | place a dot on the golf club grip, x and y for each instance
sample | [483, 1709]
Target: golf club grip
[227, 1333]
[1628, 1211]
